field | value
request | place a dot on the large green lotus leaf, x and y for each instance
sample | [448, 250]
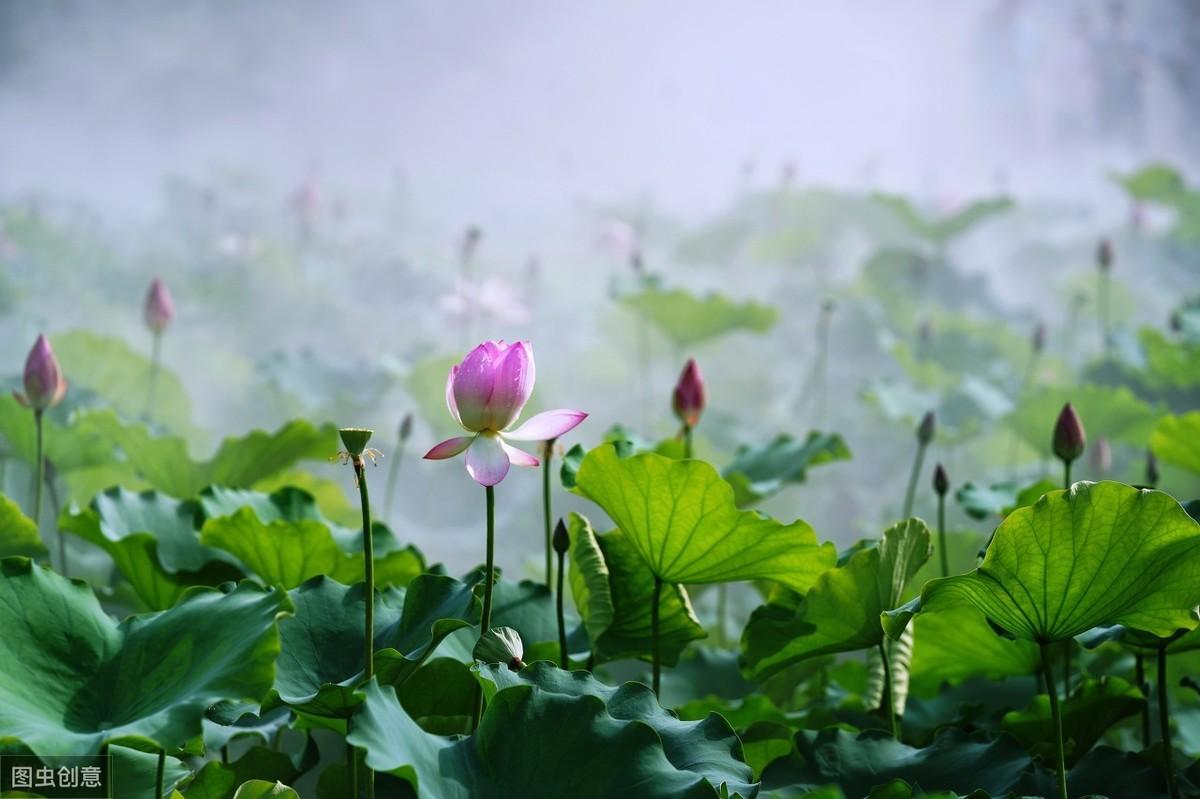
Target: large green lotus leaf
[110, 368]
[71, 678]
[329, 495]
[681, 518]
[941, 230]
[1155, 181]
[1107, 412]
[68, 447]
[957, 644]
[1176, 440]
[441, 696]
[136, 772]
[218, 780]
[1097, 554]
[686, 319]
[613, 590]
[322, 660]
[758, 472]
[261, 789]
[286, 553]
[18, 534]
[227, 721]
[597, 741]
[1087, 714]
[1169, 364]
[136, 552]
[841, 612]
[164, 462]
[857, 763]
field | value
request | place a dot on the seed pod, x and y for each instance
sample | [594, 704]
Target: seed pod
[355, 439]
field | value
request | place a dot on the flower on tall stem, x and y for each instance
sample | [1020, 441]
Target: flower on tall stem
[159, 308]
[45, 387]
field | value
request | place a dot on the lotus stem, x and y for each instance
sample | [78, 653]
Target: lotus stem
[656, 650]
[1066, 474]
[722, 611]
[1102, 309]
[1056, 715]
[941, 516]
[687, 442]
[547, 456]
[393, 473]
[889, 698]
[910, 494]
[225, 753]
[155, 358]
[159, 772]
[1164, 723]
[1139, 671]
[351, 764]
[485, 622]
[41, 470]
[562, 620]
[1067, 669]
[360, 475]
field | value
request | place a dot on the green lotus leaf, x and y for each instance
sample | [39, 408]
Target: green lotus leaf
[613, 590]
[1176, 440]
[606, 742]
[758, 472]
[322, 660]
[1155, 181]
[841, 613]
[261, 789]
[218, 780]
[228, 721]
[681, 518]
[940, 231]
[1098, 554]
[981, 502]
[1087, 714]
[958, 644]
[1169, 364]
[441, 696]
[164, 462]
[687, 320]
[1107, 412]
[136, 772]
[71, 678]
[18, 534]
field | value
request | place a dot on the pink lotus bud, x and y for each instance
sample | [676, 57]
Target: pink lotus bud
[485, 394]
[1102, 456]
[44, 383]
[1069, 436]
[1104, 255]
[159, 310]
[688, 400]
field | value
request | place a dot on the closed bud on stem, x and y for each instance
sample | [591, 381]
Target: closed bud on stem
[1038, 342]
[44, 382]
[941, 481]
[688, 400]
[159, 309]
[500, 645]
[1102, 456]
[1069, 436]
[1104, 255]
[926, 429]
[562, 539]
[406, 427]
[1152, 474]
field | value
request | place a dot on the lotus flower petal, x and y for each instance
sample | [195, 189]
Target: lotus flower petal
[472, 383]
[487, 462]
[449, 448]
[547, 425]
[519, 457]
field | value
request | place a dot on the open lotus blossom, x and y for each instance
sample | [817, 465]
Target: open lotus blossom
[485, 394]
[44, 382]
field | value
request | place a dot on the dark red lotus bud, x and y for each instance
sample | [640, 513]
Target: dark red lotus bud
[1069, 436]
[562, 540]
[941, 481]
[689, 400]
[1104, 255]
[926, 429]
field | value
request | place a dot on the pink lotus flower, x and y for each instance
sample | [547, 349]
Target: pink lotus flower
[44, 383]
[159, 309]
[485, 394]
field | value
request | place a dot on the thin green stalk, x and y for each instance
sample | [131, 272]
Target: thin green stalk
[722, 610]
[1067, 669]
[360, 474]
[547, 455]
[1066, 474]
[888, 697]
[687, 441]
[1164, 723]
[162, 766]
[942, 535]
[351, 764]
[654, 634]
[1103, 311]
[911, 493]
[1056, 715]
[393, 472]
[41, 470]
[154, 367]
[225, 753]
[1139, 671]
[562, 620]
[485, 622]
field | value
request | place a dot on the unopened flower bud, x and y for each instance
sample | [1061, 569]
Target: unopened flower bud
[941, 481]
[406, 426]
[355, 439]
[562, 539]
[1069, 436]
[500, 645]
[1104, 255]
[159, 309]
[925, 332]
[1038, 342]
[44, 382]
[1102, 456]
[926, 429]
[1152, 474]
[689, 400]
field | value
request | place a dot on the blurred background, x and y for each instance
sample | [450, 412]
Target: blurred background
[849, 214]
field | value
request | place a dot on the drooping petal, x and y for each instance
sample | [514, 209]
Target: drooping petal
[473, 383]
[512, 384]
[547, 425]
[487, 462]
[519, 457]
[449, 448]
[450, 403]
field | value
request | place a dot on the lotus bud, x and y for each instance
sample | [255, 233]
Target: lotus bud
[44, 383]
[1152, 474]
[688, 400]
[470, 242]
[926, 429]
[941, 481]
[1069, 436]
[159, 309]
[925, 332]
[1175, 322]
[1039, 337]
[500, 645]
[1102, 456]
[1104, 255]
[355, 439]
[406, 425]
[562, 539]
